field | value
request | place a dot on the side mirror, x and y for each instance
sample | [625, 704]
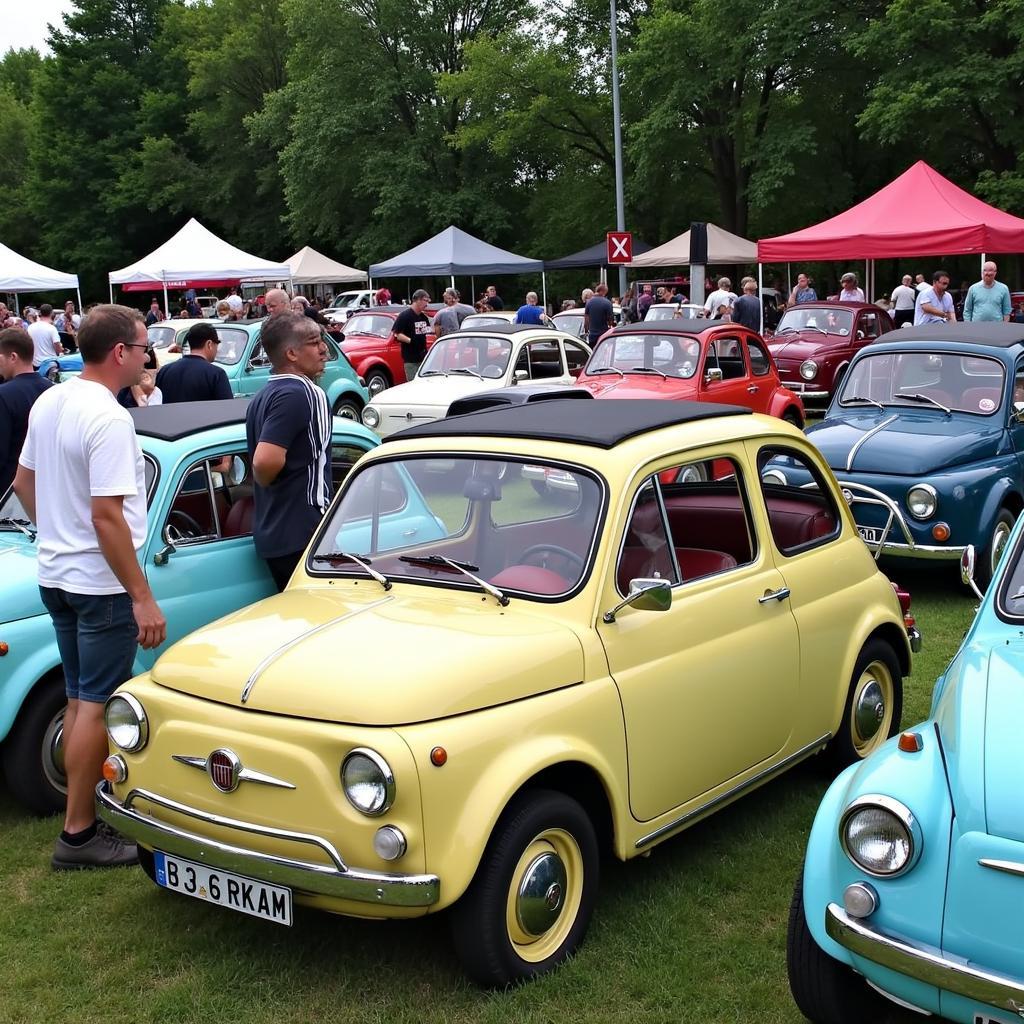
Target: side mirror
[518, 375]
[647, 595]
[713, 375]
[860, 335]
[164, 554]
[1018, 411]
[967, 564]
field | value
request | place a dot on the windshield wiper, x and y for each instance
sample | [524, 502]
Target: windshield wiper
[648, 369]
[787, 329]
[1019, 595]
[432, 373]
[926, 398]
[463, 567]
[22, 525]
[867, 401]
[363, 563]
[607, 369]
[466, 369]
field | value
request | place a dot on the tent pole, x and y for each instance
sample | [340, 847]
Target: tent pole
[544, 289]
[111, 293]
[17, 311]
[760, 297]
[789, 280]
[983, 262]
[453, 282]
[167, 304]
[78, 292]
[472, 290]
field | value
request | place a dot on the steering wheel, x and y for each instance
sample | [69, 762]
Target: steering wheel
[191, 527]
[571, 558]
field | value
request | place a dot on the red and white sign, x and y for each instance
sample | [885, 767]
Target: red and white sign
[620, 246]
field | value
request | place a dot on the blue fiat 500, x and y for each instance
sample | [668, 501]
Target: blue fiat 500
[199, 560]
[927, 435]
[914, 876]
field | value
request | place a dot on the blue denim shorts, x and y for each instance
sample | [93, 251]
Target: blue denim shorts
[96, 638]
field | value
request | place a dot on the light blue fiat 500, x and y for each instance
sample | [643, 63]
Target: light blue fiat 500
[199, 559]
[913, 883]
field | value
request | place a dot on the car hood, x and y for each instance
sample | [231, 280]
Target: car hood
[801, 346]
[19, 595]
[439, 391]
[910, 442]
[366, 657]
[639, 386]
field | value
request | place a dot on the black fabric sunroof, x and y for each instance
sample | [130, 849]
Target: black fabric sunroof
[999, 335]
[599, 424]
[180, 419]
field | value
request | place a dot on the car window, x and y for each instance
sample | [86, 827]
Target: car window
[802, 513]
[815, 319]
[343, 458]
[376, 324]
[570, 323]
[576, 357]
[543, 359]
[868, 325]
[646, 551]
[233, 343]
[161, 336]
[760, 364]
[469, 354]
[727, 355]
[213, 501]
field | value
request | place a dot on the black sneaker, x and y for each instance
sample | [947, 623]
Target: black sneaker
[104, 850]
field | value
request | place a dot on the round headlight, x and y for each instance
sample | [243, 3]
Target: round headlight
[127, 725]
[370, 416]
[694, 473]
[367, 781]
[922, 501]
[808, 369]
[880, 836]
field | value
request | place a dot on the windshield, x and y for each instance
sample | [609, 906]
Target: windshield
[522, 527]
[347, 299]
[956, 382]
[375, 324]
[483, 319]
[233, 343]
[468, 354]
[161, 335]
[571, 323]
[673, 312]
[672, 355]
[827, 321]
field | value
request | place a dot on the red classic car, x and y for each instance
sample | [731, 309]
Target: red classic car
[366, 339]
[815, 341]
[699, 360]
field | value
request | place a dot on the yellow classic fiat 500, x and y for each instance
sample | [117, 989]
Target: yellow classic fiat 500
[519, 635]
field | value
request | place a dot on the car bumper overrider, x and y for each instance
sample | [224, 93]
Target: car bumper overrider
[924, 963]
[805, 389]
[336, 880]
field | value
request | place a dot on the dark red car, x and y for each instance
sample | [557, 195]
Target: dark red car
[815, 341]
[698, 360]
[367, 340]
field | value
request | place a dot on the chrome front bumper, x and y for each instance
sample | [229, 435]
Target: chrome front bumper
[926, 964]
[914, 636]
[804, 390]
[929, 552]
[336, 880]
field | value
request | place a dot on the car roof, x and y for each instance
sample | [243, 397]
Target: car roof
[502, 328]
[680, 325]
[996, 334]
[182, 419]
[836, 304]
[393, 307]
[595, 424]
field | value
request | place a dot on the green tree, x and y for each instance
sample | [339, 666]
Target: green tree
[18, 69]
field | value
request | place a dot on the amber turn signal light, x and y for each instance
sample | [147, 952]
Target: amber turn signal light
[114, 769]
[438, 757]
[911, 742]
[3, 648]
[940, 531]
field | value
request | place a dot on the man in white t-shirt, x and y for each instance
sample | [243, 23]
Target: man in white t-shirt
[722, 296]
[935, 304]
[81, 480]
[45, 338]
[904, 298]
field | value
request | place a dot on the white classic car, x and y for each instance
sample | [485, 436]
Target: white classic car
[476, 359]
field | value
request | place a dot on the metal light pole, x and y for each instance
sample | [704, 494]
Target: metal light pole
[620, 204]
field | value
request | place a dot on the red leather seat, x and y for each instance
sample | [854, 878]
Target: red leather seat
[695, 562]
[239, 518]
[532, 578]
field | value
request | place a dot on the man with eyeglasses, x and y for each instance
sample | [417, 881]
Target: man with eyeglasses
[81, 480]
[194, 377]
[935, 304]
[288, 434]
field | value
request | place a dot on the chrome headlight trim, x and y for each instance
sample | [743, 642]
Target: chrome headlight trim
[926, 499]
[371, 418]
[387, 782]
[141, 722]
[808, 369]
[904, 819]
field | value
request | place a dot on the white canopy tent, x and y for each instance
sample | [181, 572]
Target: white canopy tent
[311, 267]
[196, 254]
[20, 274]
[723, 248]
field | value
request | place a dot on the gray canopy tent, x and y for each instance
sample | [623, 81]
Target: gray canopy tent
[595, 256]
[454, 251]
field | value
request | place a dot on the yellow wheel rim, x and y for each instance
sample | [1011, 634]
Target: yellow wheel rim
[871, 708]
[544, 895]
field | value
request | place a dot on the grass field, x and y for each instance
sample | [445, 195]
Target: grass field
[695, 933]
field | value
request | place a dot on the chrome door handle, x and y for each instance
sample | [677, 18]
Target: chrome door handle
[753, 389]
[774, 595]
[410, 533]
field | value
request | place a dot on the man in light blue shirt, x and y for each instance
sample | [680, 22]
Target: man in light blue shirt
[988, 299]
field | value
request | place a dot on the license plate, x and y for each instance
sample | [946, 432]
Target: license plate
[236, 892]
[869, 533]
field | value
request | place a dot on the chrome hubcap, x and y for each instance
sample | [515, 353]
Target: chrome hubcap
[52, 752]
[999, 539]
[376, 385]
[541, 895]
[870, 710]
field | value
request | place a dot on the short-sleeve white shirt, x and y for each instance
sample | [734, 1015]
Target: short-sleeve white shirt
[81, 444]
[44, 339]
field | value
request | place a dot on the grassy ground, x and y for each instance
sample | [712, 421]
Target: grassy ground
[694, 933]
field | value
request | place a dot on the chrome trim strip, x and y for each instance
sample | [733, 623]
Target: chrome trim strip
[244, 775]
[339, 881]
[926, 964]
[867, 437]
[1011, 867]
[704, 809]
[295, 641]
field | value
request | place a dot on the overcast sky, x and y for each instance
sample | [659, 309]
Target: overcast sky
[23, 22]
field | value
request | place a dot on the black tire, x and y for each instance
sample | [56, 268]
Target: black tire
[539, 828]
[793, 417]
[825, 990]
[989, 558]
[348, 409]
[864, 728]
[32, 759]
[377, 380]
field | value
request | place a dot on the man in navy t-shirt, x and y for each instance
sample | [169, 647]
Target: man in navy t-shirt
[598, 314]
[17, 396]
[194, 378]
[530, 313]
[288, 434]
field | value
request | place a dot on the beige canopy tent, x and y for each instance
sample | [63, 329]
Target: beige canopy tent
[312, 267]
[723, 248]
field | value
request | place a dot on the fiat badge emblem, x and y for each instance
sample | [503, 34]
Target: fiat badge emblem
[223, 767]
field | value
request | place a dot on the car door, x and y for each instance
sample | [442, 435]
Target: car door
[255, 367]
[576, 356]
[543, 360]
[724, 354]
[760, 386]
[708, 686]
